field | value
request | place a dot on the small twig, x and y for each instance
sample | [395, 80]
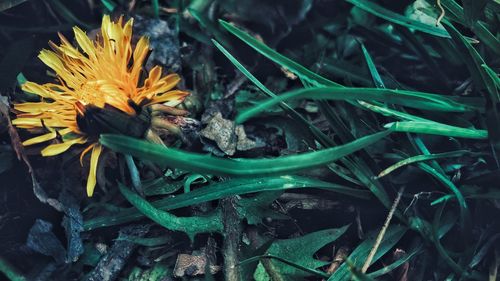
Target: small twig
[382, 232]
[339, 257]
[235, 84]
[115, 259]
[441, 16]
[232, 234]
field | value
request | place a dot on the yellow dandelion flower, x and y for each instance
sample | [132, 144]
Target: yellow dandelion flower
[99, 90]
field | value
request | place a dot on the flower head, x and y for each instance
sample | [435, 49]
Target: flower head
[99, 90]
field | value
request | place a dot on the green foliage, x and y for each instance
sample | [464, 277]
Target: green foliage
[333, 96]
[224, 189]
[300, 251]
[189, 225]
[236, 167]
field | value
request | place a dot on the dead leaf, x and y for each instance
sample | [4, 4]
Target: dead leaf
[191, 265]
[227, 135]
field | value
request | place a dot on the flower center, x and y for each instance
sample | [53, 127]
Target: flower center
[94, 121]
[90, 93]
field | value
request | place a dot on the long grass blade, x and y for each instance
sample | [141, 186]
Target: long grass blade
[421, 158]
[234, 167]
[381, 12]
[419, 100]
[434, 128]
[239, 186]
[299, 70]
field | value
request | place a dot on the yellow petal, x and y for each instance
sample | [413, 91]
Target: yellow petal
[127, 29]
[84, 42]
[30, 122]
[106, 23]
[52, 60]
[140, 53]
[39, 139]
[59, 148]
[65, 131]
[172, 98]
[37, 89]
[94, 159]
[37, 107]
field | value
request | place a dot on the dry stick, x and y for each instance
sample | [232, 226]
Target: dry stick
[382, 231]
[441, 16]
[232, 235]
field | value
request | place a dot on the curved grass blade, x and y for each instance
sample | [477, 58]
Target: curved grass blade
[420, 158]
[478, 27]
[411, 99]
[473, 62]
[434, 128]
[288, 109]
[465, 217]
[302, 72]
[362, 174]
[206, 164]
[492, 74]
[381, 12]
[190, 225]
[389, 112]
[318, 134]
[486, 37]
[219, 190]
[436, 239]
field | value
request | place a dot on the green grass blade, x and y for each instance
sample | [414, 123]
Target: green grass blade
[377, 80]
[486, 37]
[474, 63]
[380, 109]
[482, 33]
[421, 158]
[436, 239]
[297, 69]
[320, 136]
[358, 256]
[288, 262]
[190, 225]
[156, 8]
[224, 189]
[206, 164]
[465, 217]
[419, 100]
[10, 271]
[492, 74]
[209, 26]
[381, 12]
[109, 5]
[434, 128]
